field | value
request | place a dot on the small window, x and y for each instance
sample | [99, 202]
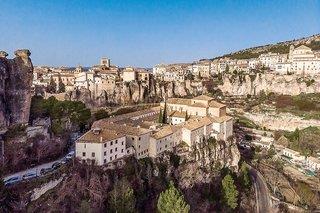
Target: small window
[93, 154]
[110, 158]
[110, 150]
[83, 154]
[122, 143]
[116, 141]
[116, 149]
[139, 138]
[105, 145]
[105, 161]
[121, 150]
[132, 139]
[105, 153]
[115, 157]
[111, 143]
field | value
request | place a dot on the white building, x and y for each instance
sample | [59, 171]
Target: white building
[313, 163]
[129, 74]
[101, 146]
[294, 155]
[303, 60]
[271, 59]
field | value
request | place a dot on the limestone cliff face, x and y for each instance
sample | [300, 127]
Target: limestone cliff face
[136, 92]
[281, 84]
[15, 88]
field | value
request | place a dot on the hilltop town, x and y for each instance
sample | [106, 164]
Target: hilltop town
[249, 118]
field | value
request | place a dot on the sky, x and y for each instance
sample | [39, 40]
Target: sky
[143, 33]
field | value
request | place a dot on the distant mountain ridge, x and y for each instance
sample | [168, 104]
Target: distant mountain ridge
[281, 47]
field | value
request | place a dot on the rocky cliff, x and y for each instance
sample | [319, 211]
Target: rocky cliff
[15, 88]
[136, 92]
[281, 84]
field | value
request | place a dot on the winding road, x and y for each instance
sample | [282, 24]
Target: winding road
[263, 201]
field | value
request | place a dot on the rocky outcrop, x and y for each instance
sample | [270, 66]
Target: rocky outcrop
[15, 88]
[281, 121]
[280, 84]
[136, 92]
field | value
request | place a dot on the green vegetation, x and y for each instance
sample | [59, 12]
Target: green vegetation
[101, 114]
[172, 200]
[303, 105]
[230, 192]
[61, 86]
[307, 196]
[52, 86]
[61, 112]
[160, 118]
[243, 121]
[305, 140]
[314, 45]
[244, 176]
[122, 199]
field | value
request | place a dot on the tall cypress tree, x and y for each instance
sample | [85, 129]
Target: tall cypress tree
[160, 119]
[165, 113]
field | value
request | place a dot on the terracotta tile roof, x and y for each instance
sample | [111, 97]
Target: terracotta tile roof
[216, 104]
[126, 129]
[99, 136]
[177, 114]
[165, 131]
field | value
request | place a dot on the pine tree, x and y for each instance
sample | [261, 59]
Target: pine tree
[230, 192]
[122, 199]
[245, 175]
[172, 200]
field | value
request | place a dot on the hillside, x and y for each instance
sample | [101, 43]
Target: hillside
[282, 47]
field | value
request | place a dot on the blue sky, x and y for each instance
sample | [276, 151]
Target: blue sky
[144, 33]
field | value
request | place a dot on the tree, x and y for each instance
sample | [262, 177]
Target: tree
[187, 117]
[160, 119]
[52, 86]
[227, 68]
[172, 200]
[61, 86]
[165, 113]
[100, 114]
[230, 192]
[121, 198]
[306, 194]
[244, 170]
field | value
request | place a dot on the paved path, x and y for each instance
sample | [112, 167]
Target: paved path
[263, 201]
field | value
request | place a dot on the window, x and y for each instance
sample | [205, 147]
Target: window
[132, 139]
[110, 158]
[110, 150]
[122, 143]
[116, 141]
[116, 149]
[105, 161]
[105, 153]
[83, 154]
[139, 138]
[121, 150]
[93, 154]
[115, 157]
[111, 143]
[105, 145]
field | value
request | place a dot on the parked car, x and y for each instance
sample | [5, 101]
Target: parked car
[56, 165]
[45, 171]
[70, 155]
[12, 180]
[29, 175]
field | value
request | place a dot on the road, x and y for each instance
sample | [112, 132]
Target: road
[263, 201]
[38, 168]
